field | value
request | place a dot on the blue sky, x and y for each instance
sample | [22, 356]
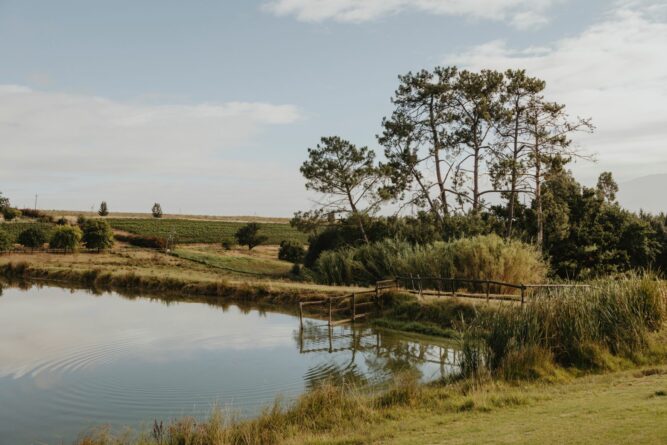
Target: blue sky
[209, 106]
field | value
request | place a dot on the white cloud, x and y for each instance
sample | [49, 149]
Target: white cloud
[56, 141]
[522, 14]
[614, 72]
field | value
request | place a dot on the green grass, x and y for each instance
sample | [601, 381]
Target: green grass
[15, 228]
[191, 231]
[237, 263]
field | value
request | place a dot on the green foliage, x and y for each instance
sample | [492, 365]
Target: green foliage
[10, 213]
[156, 210]
[62, 221]
[201, 231]
[4, 202]
[228, 243]
[103, 211]
[248, 235]
[32, 237]
[6, 242]
[66, 237]
[97, 234]
[150, 242]
[482, 257]
[290, 251]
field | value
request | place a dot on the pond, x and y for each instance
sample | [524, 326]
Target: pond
[71, 360]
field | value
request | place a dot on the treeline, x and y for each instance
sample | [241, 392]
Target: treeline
[474, 153]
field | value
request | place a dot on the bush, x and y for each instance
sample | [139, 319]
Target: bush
[97, 234]
[228, 243]
[5, 241]
[156, 210]
[66, 237]
[248, 235]
[62, 221]
[33, 237]
[81, 220]
[10, 213]
[291, 251]
[483, 257]
[149, 242]
[37, 214]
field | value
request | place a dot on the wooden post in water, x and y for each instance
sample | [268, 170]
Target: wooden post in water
[330, 299]
[301, 315]
[354, 307]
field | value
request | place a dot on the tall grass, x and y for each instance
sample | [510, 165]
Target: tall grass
[482, 257]
[577, 328]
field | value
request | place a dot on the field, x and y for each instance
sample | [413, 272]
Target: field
[15, 228]
[202, 231]
[261, 261]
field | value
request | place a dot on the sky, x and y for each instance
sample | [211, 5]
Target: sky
[209, 107]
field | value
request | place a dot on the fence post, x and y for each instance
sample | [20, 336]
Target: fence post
[453, 287]
[488, 285]
[301, 315]
[523, 294]
[439, 284]
[419, 280]
[330, 299]
[354, 307]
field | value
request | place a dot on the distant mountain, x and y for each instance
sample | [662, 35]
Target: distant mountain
[648, 193]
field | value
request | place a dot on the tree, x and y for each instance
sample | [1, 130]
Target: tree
[10, 213]
[66, 237]
[510, 171]
[607, 187]
[346, 176]
[6, 242]
[291, 251]
[97, 234]
[157, 210]
[549, 130]
[248, 235]
[32, 237]
[103, 211]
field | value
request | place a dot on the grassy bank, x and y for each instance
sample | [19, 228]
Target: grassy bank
[628, 407]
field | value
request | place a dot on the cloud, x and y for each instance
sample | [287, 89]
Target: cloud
[615, 72]
[522, 14]
[58, 141]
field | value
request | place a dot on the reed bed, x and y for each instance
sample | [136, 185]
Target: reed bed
[480, 258]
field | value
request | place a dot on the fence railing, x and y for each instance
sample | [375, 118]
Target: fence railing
[353, 307]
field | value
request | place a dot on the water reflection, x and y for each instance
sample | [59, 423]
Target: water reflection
[383, 353]
[70, 360]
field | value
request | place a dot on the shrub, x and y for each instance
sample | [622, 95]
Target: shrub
[291, 251]
[483, 257]
[97, 234]
[10, 213]
[248, 235]
[62, 221]
[103, 211]
[66, 237]
[157, 210]
[37, 214]
[81, 220]
[228, 243]
[5, 241]
[150, 242]
[33, 237]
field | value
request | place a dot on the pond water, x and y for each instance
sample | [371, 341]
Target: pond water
[72, 360]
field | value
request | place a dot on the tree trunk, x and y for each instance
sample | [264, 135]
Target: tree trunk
[436, 154]
[515, 157]
[358, 216]
[538, 195]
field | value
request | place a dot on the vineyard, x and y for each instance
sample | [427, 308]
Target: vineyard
[198, 231]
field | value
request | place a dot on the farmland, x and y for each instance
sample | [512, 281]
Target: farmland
[193, 231]
[15, 228]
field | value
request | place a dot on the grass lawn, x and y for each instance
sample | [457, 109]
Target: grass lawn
[261, 261]
[620, 408]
